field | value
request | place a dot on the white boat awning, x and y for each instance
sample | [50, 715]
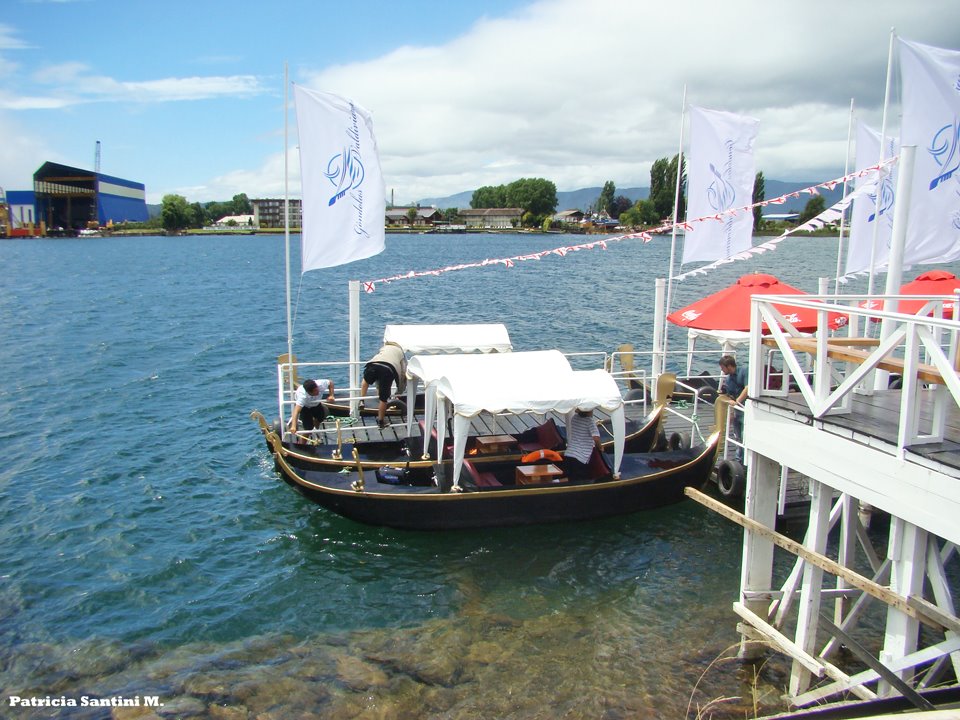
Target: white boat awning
[420, 339]
[520, 382]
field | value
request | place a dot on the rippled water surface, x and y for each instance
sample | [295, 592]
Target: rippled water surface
[148, 548]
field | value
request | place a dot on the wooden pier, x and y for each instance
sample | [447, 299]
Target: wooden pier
[864, 450]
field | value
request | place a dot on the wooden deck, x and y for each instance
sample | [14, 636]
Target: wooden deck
[873, 420]
[364, 428]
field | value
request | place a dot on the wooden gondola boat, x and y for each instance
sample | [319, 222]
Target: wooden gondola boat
[640, 436]
[484, 491]
[422, 498]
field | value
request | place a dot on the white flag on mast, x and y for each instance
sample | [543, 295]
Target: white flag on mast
[344, 199]
[867, 211]
[931, 121]
[720, 175]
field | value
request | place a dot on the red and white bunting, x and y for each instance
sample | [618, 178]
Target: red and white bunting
[647, 235]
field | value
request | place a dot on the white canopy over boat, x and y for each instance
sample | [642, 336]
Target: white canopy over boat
[434, 339]
[421, 339]
[521, 382]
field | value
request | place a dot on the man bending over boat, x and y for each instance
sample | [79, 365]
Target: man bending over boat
[385, 368]
[582, 437]
[308, 403]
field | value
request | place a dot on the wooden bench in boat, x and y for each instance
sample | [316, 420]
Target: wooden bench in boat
[848, 350]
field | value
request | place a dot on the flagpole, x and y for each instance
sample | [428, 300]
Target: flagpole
[286, 219]
[883, 152]
[843, 217]
[673, 237]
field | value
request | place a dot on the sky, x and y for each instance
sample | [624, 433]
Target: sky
[188, 97]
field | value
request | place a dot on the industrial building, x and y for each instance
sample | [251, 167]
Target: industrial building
[69, 199]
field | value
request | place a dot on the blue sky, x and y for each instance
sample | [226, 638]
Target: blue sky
[187, 97]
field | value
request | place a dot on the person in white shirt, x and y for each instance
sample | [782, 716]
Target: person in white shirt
[308, 403]
[582, 437]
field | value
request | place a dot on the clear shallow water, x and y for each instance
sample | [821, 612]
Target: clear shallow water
[148, 548]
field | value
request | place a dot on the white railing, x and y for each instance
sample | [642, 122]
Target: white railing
[921, 348]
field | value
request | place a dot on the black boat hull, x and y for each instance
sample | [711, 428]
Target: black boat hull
[649, 481]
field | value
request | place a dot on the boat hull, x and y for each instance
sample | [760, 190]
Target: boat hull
[655, 480]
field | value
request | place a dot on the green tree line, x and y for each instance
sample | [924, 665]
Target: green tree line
[176, 213]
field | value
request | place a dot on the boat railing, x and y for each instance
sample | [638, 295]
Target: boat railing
[827, 370]
[291, 374]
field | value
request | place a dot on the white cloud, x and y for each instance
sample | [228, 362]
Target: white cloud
[9, 39]
[18, 155]
[581, 96]
[73, 84]
[264, 181]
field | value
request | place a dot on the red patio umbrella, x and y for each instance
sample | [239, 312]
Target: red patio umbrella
[729, 309]
[932, 282]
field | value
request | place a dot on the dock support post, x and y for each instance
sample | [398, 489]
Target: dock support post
[808, 609]
[756, 573]
[907, 549]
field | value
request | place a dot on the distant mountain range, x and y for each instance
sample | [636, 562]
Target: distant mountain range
[583, 198]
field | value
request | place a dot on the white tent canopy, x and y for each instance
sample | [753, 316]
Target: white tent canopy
[435, 339]
[524, 382]
[420, 339]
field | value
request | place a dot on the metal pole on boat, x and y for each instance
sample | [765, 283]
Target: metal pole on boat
[659, 321]
[673, 236]
[883, 153]
[286, 220]
[898, 238]
[843, 216]
[354, 371]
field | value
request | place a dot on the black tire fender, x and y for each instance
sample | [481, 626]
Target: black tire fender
[731, 478]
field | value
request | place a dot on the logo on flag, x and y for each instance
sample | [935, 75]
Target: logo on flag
[345, 172]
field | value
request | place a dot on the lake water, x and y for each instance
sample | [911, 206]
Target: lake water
[149, 549]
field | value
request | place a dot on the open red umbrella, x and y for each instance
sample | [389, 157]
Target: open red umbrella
[729, 309]
[932, 282]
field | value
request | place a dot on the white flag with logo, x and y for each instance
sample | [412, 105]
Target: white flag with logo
[720, 175]
[873, 212]
[344, 199]
[931, 121]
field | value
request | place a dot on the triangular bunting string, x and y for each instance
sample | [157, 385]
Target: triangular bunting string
[647, 235]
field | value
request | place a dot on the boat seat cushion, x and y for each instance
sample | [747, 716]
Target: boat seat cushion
[545, 437]
[480, 478]
[598, 468]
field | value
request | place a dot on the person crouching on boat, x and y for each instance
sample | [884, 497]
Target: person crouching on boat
[385, 368]
[582, 437]
[308, 403]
